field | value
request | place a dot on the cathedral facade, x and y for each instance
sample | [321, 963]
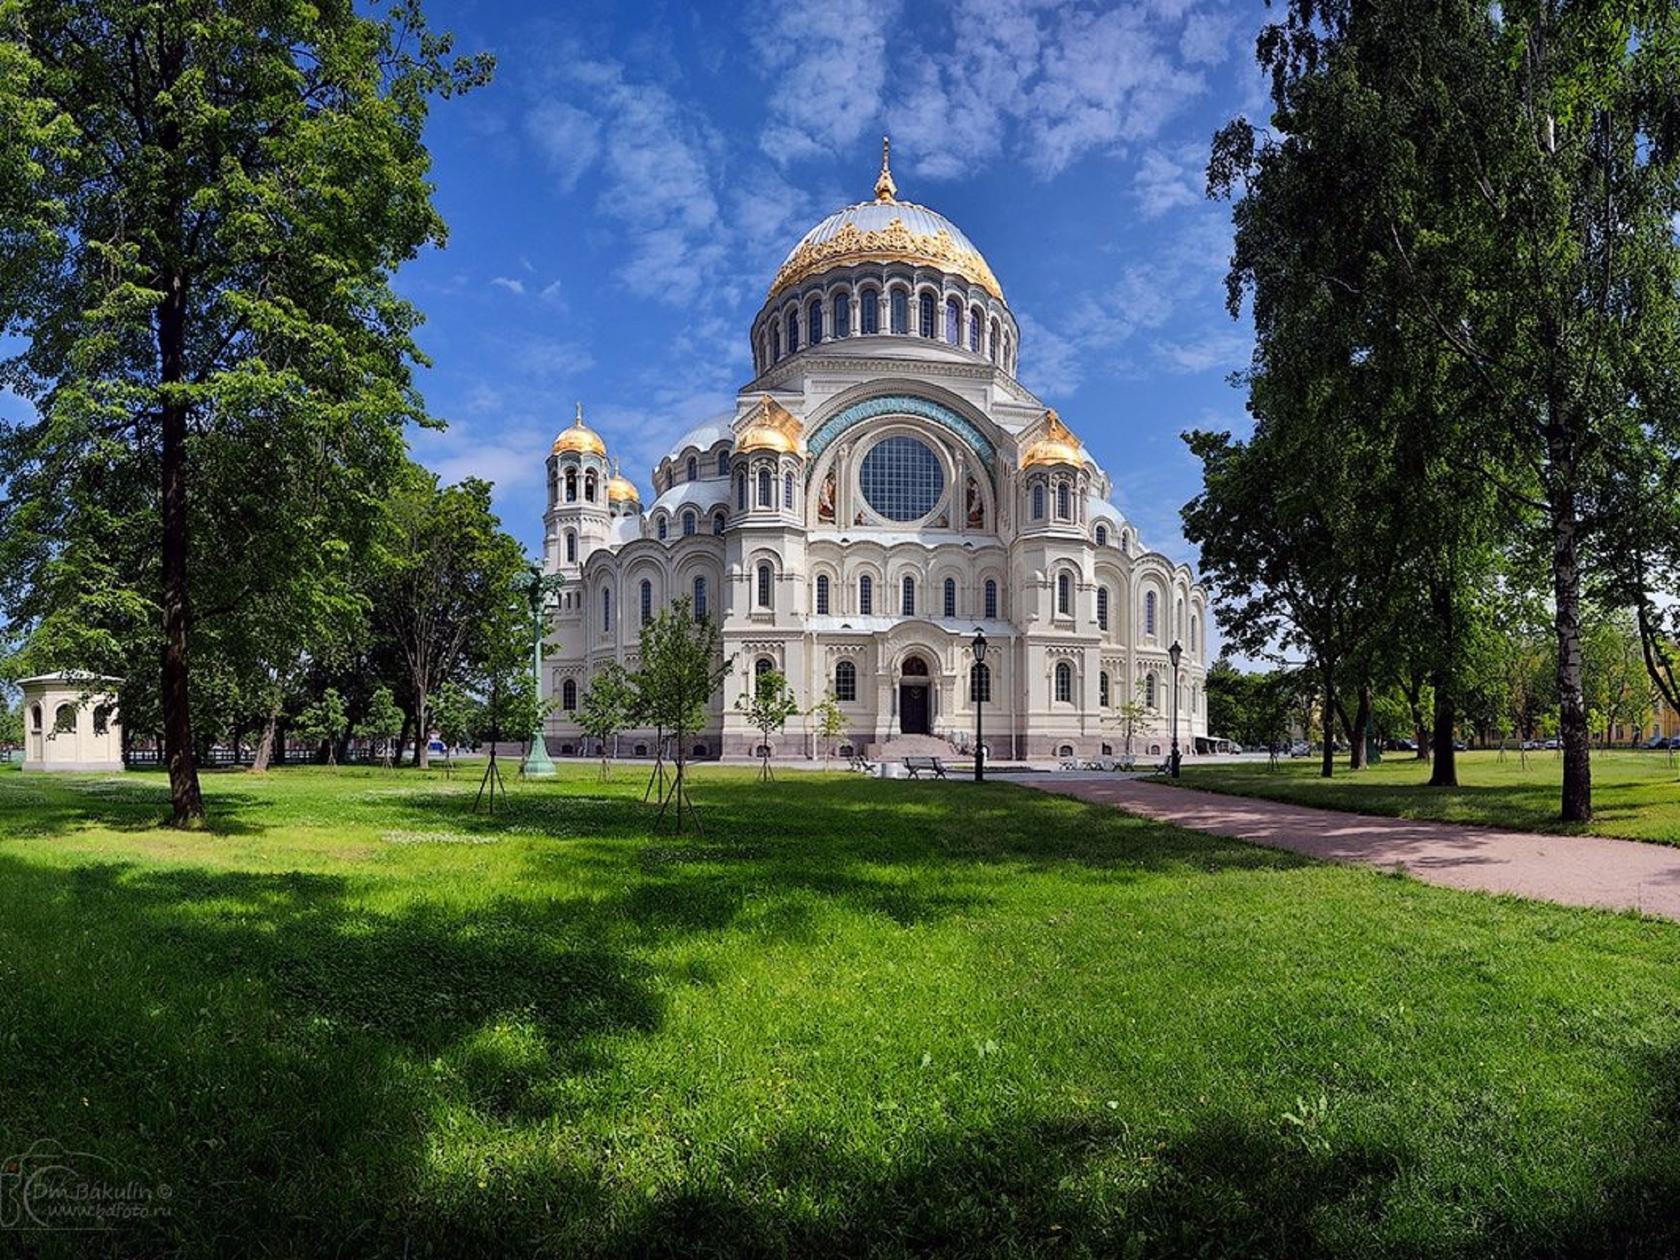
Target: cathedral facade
[883, 489]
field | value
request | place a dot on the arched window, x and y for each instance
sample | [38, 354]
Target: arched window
[1178, 617]
[1102, 535]
[1195, 631]
[975, 320]
[606, 610]
[793, 331]
[1102, 689]
[765, 498]
[1064, 682]
[571, 547]
[646, 595]
[1149, 690]
[661, 526]
[866, 595]
[693, 469]
[991, 600]
[787, 491]
[994, 341]
[813, 322]
[700, 599]
[690, 523]
[1102, 608]
[718, 522]
[900, 311]
[1038, 501]
[842, 322]
[950, 597]
[925, 312]
[1064, 594]
[35, 718]
[1149, 612]
[1064, 509]
[980, 684]
[953, 321]
[741, 491]
[589, 486]
[845, 681]
[822, 594]
[776, 344]
[723, 463]
[907, 597]
[568, 696]
[102, 719]
[762, 666]
[765, 577]
[571, 485]
[64, 720]
[869, 311]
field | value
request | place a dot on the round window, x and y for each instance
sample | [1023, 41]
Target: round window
[901, 478]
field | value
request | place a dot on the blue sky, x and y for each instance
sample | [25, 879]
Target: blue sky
[620, 196]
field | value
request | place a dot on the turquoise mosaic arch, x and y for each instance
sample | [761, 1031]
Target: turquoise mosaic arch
[897, 405]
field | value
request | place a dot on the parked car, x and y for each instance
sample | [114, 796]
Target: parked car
[1657, 741]
[1551, 745]
[1299, 749]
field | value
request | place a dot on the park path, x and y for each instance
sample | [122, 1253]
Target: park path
[1571, 870]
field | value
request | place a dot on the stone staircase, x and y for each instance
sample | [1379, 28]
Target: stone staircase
[900, 746]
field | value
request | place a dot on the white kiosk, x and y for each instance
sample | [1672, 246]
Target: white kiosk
[70, 722]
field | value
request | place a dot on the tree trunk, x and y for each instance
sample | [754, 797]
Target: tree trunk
[422, 740]
[1329, 763]
[1361, 724]
[186, 801]
[402, 735]
[1572, 705]
[265, 742]
[1445, 771]
[1414, 704]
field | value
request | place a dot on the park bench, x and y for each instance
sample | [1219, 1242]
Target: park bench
[861, 764]
[914, 766]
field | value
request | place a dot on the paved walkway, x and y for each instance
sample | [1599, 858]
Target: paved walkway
[1572, 870]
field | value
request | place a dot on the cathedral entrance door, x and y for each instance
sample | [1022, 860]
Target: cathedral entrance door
[913, 708]
[913, 698]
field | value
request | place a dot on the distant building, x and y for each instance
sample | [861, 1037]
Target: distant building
[883, 487]
[70, 722]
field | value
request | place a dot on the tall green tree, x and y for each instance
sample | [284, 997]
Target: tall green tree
[202, 205]
[1521, 166]
[444, 593]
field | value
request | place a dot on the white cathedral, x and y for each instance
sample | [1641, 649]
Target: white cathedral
[884, 488]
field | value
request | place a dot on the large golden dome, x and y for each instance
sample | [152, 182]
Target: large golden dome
[885, 230]
[580, 437]
[769, 427]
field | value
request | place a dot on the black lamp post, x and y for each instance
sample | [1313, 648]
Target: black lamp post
[1173, 653]
[975, 685]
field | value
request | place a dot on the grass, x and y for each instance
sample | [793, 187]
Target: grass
[855, 1018]
[1636, 795]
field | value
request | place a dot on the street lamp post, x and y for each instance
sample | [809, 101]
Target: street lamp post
[538, 586]
[979, 705]
[1173, 654]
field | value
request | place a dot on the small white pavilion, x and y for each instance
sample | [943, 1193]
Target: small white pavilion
[70, 722]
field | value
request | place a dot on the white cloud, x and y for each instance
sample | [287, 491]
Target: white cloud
[550, 358]
[1169, 179]
[827, 63]
[1224, 348]
[568, 137]
[511, 285]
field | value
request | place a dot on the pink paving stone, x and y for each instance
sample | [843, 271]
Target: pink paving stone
[1571, 870]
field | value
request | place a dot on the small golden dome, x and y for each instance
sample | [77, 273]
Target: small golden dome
[762, 437]
[581, 438]
[1057, 445]
[772, 428]
[620, 488]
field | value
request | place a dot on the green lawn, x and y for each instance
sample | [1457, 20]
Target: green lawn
[855, 1018]
[1635, 794]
